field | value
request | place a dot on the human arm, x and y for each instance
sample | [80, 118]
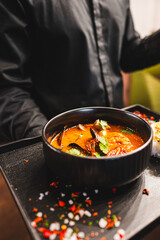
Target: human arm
[138, 53]
[20, 116]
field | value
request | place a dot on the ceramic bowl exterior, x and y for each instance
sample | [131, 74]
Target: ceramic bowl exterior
[91, 171]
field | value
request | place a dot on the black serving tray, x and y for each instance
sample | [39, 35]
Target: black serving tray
[23, 166]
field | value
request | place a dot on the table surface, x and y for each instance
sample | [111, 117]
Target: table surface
[28, 178]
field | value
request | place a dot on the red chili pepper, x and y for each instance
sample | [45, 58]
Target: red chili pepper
[74, 195]
[38, 219]
[88, 201]
[61, 236]
[47, 233]
[73, 208]
[35, 210]
[55, 184]
[41, 229]
[61, 204]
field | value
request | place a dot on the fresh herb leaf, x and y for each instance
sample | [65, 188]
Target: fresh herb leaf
[103, 124]
[126, 131]
[103, 145]
[97, 154]
[75, 152]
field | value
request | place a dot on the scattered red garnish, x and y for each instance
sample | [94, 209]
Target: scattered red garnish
[88, 201]
[47, 233]
[73, 208]
[35, 210]
[145, 191]
[61, 204]
[54, 184]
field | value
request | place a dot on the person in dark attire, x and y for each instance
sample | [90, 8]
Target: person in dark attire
[57, 55]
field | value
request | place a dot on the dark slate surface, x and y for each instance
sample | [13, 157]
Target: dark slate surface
[27, 180]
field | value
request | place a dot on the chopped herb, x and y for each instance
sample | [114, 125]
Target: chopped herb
[90, 223]
[103, 124]
[103, 145]
[114, 217]
[75, 152]
[97, 154]
[126, 131]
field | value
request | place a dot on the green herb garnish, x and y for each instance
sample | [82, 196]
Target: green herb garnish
[90, 223]
[126, 131]
[75, 151]
[97, 154]
[103, 124]
[103, 145]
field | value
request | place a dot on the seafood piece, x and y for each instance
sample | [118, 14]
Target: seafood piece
[75, 145]
[60, 137]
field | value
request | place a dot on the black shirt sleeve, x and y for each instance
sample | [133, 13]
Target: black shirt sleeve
[138, 53]
[20, 117]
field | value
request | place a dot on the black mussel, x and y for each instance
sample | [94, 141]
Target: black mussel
[75, 145]
[94, 134]
[60, 137]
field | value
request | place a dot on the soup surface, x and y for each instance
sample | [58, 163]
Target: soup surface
[98, 139]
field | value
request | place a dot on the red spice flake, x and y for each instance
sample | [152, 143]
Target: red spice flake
[61, 236]
[84, 221]
[151, 118]
[145, 191]
[38, 219]
[74, 195]
[119, 218]
[77, 193]
[41, 229]
[26, 160]
[47, 233]
[114, 190]
[54, 184]
[110, 224]
[88, 201]
[95, 214]
[73, 208]
[45, 216]
[61, 204]
[35, 210]
[30, 199]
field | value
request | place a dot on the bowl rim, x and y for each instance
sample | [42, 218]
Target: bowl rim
[97, 158]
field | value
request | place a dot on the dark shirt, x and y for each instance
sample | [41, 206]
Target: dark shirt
[58, 55]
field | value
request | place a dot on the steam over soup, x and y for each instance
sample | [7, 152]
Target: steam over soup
[98, 139]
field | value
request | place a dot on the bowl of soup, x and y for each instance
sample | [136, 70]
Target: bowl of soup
[97, 146]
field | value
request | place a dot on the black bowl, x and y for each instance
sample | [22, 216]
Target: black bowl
[92, 171]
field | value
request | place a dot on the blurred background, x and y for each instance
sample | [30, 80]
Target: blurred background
[143, 87]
